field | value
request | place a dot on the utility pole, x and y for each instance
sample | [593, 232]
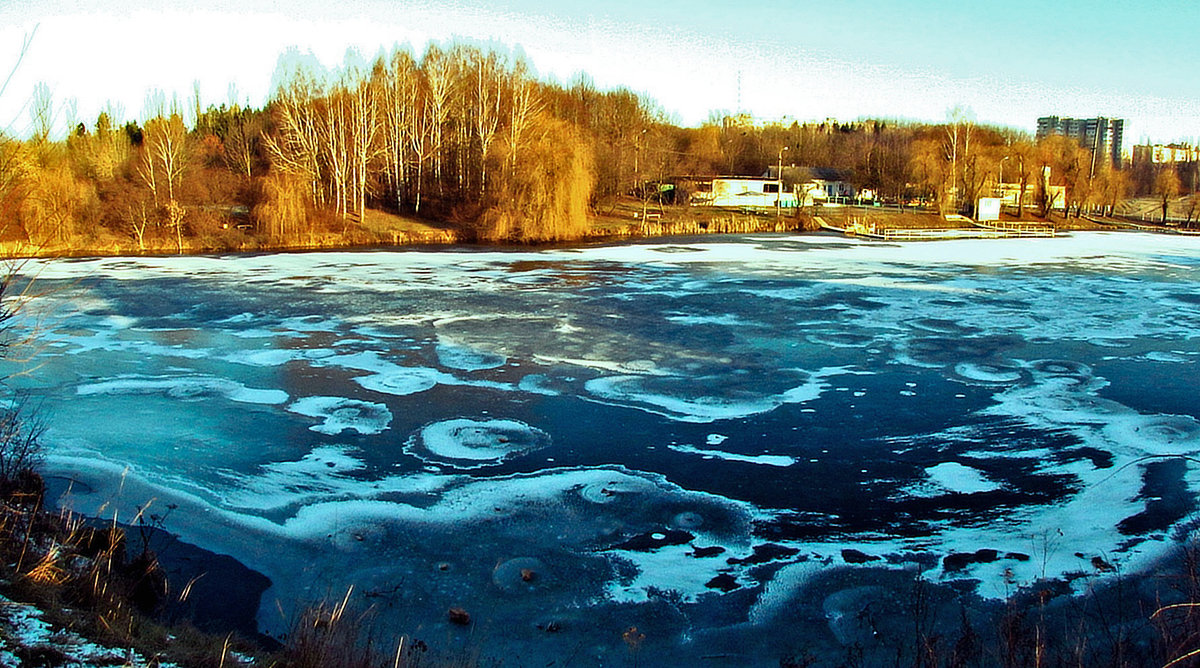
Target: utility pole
[1000, 180]
[779, 175]
[637, 176]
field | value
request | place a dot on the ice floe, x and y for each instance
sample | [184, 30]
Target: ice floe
[690, 399]
[455, 356]
[952, 477]
[769, 460]
[466, 443]
[185, 388]
[339, 414]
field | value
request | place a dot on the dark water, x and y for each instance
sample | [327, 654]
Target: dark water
[732, 445]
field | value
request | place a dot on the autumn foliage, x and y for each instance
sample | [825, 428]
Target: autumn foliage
[470, 142]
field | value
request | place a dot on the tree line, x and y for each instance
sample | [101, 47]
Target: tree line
[470, 140]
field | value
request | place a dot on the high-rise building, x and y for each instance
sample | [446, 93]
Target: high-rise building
[1102, 136]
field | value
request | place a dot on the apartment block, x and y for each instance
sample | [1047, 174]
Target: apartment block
[1103, 136]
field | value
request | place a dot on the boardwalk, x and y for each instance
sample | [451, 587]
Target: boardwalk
[941, 234]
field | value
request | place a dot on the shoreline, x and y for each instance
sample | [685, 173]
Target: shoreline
[605, 230]
[216, 593]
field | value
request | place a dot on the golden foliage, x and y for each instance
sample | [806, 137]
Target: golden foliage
[283, 211]
[54, 200]
[47, 570]
[545, 196]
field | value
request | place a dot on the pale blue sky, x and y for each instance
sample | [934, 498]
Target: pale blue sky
[1008, 62]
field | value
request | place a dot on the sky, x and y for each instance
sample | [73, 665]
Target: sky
[1007, 63]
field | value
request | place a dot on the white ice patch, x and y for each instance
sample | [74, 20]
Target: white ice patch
[186, 388]
[954, 478]
[83, 342]
[769, 460]
[642, 367]
[1171, 357]
[669, 568]
[272, 357]
[320, 475]
[724, 319]
[339, 414]
[390, 378]
[465, 443]
[463, 358]
[632, 391]
[401, 381]
[987, 373]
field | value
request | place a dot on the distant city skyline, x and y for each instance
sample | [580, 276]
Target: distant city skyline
[1009, 63]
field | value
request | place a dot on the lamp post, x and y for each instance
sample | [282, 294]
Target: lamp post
[779, 175]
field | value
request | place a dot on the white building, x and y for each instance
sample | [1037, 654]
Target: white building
[742, 192]
[1160, 154]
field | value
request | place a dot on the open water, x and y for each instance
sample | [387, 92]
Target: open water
[728, 443]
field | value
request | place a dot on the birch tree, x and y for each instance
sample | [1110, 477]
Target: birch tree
[362, 142]
[164, 144]
[524, 105]
[437, 71]
[241, 141]
[296, 146]
[959, 129]
[396, 84]
[487, 77]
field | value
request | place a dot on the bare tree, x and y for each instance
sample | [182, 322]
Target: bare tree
[438, 75]
[1023, 156]
[931, 169]
[296, 147]
[524, 104]
[41, 113]
[487, 76]
[419, 140]
[362, 142]
[241, 141]
[396, 89]
[1166, 187]
[961, 123]
[165, 148]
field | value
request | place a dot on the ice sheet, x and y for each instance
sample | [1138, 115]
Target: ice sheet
[644, 423]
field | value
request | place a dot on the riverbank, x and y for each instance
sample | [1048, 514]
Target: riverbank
[379, 229]
[625, 220]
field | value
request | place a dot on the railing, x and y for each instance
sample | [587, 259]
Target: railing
[1019, 228]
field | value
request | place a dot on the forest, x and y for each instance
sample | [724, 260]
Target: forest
[469, 141]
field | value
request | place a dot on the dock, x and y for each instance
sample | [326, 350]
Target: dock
[980, 231]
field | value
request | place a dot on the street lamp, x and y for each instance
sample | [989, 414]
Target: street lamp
[779, 175]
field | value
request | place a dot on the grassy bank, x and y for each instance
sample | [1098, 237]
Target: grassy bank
[625, 219]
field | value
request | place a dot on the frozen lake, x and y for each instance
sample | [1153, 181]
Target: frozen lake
[687, 436]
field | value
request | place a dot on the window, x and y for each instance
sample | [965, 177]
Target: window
[770, 187]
